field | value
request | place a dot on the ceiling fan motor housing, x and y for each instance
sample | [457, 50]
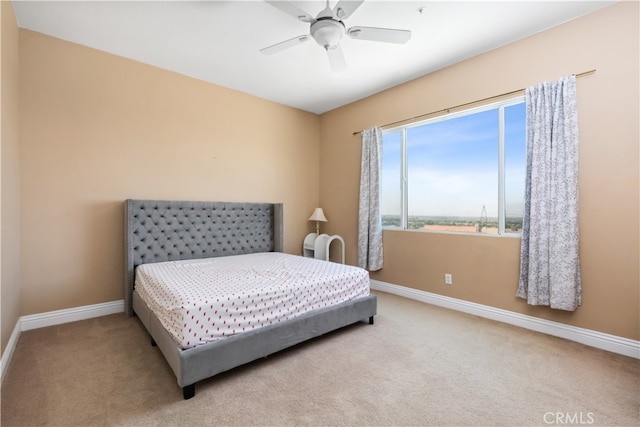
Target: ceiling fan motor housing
[327, 32]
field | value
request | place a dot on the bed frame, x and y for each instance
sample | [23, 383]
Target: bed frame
[157, 231]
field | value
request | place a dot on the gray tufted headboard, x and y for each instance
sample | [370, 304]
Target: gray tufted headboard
[158, 230]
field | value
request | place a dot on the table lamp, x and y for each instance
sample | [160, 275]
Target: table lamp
[317, 216]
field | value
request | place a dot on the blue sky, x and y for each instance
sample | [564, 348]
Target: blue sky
[453, 165]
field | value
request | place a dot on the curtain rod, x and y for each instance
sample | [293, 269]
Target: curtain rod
[446, 110]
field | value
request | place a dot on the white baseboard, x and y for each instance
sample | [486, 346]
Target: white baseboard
[8, 351]
[57, 317]
[612, 343]
[588, 337]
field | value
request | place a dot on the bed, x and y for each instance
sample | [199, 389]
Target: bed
[173, 234]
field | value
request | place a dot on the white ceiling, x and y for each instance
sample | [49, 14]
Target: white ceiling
[219, 41]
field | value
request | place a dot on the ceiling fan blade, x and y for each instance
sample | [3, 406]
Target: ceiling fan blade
[345, 8]
[292, 10]
[336, 58]
[388, 35]
[279, 47]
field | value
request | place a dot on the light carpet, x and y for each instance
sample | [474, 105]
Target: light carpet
[418, 365]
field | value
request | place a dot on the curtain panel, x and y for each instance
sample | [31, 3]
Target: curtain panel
[370, 254]
[549, 259]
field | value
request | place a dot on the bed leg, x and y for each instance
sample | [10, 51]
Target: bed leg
[371, 320]
[188, 391]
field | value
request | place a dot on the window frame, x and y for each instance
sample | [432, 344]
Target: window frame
[501, 105]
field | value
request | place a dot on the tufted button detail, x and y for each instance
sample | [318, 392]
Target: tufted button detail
[172, 230]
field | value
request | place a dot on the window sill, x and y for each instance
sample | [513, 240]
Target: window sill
[455, 233]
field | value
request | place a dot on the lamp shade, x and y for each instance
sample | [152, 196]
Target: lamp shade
[318, 215]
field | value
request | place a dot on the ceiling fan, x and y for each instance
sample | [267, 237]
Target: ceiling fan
[328, 28]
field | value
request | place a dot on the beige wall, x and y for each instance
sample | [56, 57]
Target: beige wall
[10, 175]
[485, 269]
[98, 129]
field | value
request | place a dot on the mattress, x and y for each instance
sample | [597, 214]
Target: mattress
[203, 300]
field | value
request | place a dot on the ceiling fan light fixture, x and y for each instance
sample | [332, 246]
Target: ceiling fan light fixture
[328, 28]
[327, 32]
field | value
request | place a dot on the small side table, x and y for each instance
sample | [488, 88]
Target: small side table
[317, 246]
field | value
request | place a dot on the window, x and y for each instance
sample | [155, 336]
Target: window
[461, 172]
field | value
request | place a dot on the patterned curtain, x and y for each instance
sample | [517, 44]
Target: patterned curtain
[369, 220]
[549, 261]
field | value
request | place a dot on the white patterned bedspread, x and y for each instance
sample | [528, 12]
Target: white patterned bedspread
[203, 300]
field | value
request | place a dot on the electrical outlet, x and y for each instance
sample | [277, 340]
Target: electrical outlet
[448, 279]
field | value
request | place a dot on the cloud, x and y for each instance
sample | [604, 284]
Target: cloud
[442, 193]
